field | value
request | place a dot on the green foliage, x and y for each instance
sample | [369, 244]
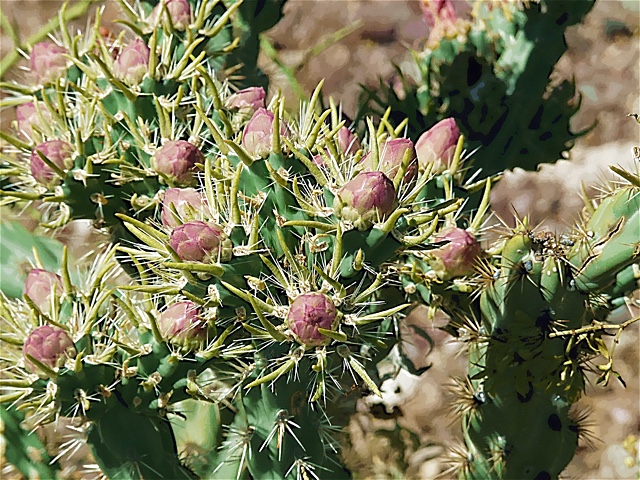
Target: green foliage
[491, 74]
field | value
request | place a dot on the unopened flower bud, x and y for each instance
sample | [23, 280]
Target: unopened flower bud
[349, 143]
[257, 134]
[47, 62]
[458, 257]
[438, 145]
[177, 160]
[179, 12]
[197, 241]
[59, 153]
[28, 117]
[435, 11]
[181, 201]
[248, 100]
[181, 324]
[41, 287]
[307, 313]
[49, 345]
[133, 62]
[365, 200]
[391, 155]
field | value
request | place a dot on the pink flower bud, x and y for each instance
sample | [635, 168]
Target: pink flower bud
[59, 153]
[248, 100]
[177, 160]
[179, 11]
[47, 62]
[256, 138]
[197, 241]
[349, 143]
[458, 257]
[28, 117]
[391, 156]
[437, 145]
[181, 324]
[185, 202]
[41, 286]
[133, 62]
[50, 345]
[365, 200]
[307, 313]
[435, 11]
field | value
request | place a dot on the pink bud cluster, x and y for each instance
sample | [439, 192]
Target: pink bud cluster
[258, 133]
[181, 324]
[458, 257]
[47, 62]
[132, 63]
[41, 287]
[437, 146]
[248, 100]
[59, 153]
[366, 199]
[179, 12]
[180, 204]
[391, 155]
[49, 345]
[307, 313]
[177, 160]
[198, 241]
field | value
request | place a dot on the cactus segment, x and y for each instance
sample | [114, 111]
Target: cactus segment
[490, 73]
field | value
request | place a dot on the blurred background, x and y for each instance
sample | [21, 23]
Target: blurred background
[357, 42]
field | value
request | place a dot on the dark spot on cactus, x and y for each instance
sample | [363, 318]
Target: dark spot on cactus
[474, 71]
[534, 124]
[554, 422]
[120, 398]
[544, 320]
[517, 358]
[542, 476]
[259, 6]
[507, 145]
[545, 136]
[527, 396]
[484, 110]
[524, 151]
[562, 19]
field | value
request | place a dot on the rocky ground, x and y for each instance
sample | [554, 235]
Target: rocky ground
[603, 58]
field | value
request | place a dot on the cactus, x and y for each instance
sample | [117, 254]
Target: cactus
[273, 257]
[533, 316]
[239, 242]
[491, 74]
[93, 121]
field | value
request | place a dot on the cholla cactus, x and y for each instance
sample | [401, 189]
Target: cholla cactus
[258, 273]
[266, 252]
[106, 106]
[490, 73]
